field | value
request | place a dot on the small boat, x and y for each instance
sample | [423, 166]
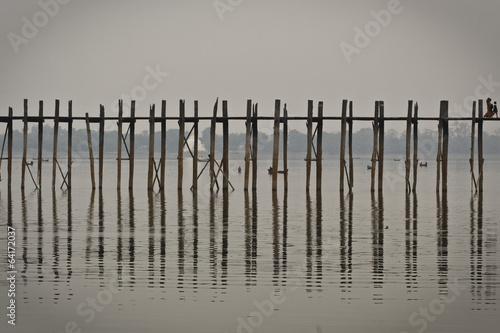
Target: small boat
[45, 159]
[397, 159]
[423, 164]
[282, 171]
[29, 163]
[368, 167]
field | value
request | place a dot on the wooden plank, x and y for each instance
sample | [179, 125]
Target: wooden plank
[101, 145]
[225, 147]
[91, 153]
[25, 143]
[195, 149]
[309, 125]
[381, 147]
[54, 147]
[415, 147]
[131, 147]
[319, 148]
[276, 143]
[163, 147]
[119, 146]
[151, 146]
[444, 107]
[180, 144]
[342, 145]
[408, 147]
[248, 137]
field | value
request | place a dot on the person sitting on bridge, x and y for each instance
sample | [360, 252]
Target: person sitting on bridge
[495, 110]
[489, 107]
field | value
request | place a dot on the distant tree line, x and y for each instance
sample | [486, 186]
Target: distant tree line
[395, 142]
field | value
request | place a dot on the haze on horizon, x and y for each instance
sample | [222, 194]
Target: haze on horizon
[95, 52]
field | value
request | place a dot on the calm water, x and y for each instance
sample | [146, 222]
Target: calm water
[111, 261]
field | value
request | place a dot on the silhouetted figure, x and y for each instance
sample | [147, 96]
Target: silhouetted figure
[495, 110]
[239, 169]
[490, 112]
[270, 170]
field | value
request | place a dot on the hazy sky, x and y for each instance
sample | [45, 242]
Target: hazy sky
[95, 51]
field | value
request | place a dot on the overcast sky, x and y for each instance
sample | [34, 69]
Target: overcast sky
[95, 51]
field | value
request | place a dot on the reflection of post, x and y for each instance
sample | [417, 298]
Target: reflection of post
[101, 238]
[119, 236]
[309, 250]
[163, 231]
[284, 246]
[346, 244]
[40, 237]
[55, 240]
[442, 243]
[378, 244]
[225, 238]
[180, 242]
[131, 238]
[24, 216]
[410, 245]
[151, 239]
[195, 239]
[276, 242]
[90, 228]
[248, 240]
[212, 242]
[319, 241]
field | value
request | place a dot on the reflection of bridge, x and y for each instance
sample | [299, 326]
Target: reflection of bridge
[156, 171]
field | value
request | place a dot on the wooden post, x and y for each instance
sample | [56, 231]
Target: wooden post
[40, 144]
[415, 147]
[342, 145]
[163, 148]
[54, 148]
[225, 147]
[285, 149]
[375, 144]
[211, 157]
[180, 145]
[248, 134]
[351, 164]
[444, 110]
[381, 147]
[195, 149]
[132, 146]
[91, 153]
[309, 125]
[101, 146]
[319, 147]
[255, 146]
[151, 146]
[70, 142]
[471, 160]
[25, 143]
[439, 151]
[119, 146]
[9, 150]
[480, 160]
[408, 141]
[276, 146]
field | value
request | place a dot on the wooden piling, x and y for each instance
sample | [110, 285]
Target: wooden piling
[471, 160]
[342, 144]
[285, 149]
[25, 143]
[119, 145]
[309, 125]
[180, 144]
[101, 146]
[248, 137]
[9, 149]
[255, 146]
[351, 164]
[70, 142]
[195, 148]
[375, 145]
[276, 145]
[408, 141]
[211, 156]
[91, 153]
[40, 143]
[54, 147]
[151, 146]
[415, 147]
[444, 110]
[381, 147]
[163, 147]
[225, 147]
[439, 151]
[480, 159]
[132, 146]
